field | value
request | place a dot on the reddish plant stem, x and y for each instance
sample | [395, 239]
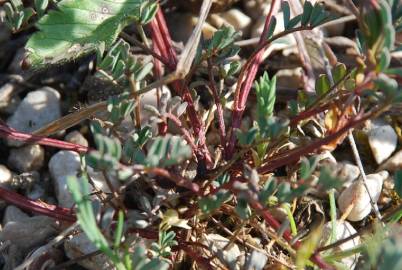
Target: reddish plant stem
[163, 42]
[295, 154]
[307, 114]
[204, 263]
[186, 135]
[244, 85]
[9, 133]
[165, 35]
[53, 211]
[218, 104]
[177, 179]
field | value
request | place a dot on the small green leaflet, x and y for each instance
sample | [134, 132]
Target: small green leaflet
[79, 27]
[398, 182]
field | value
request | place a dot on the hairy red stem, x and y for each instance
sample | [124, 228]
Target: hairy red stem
[9, 133]
[295, 154]
[177, 179]
[246, 80]
[37, 207]
[185, 133]
[163, 41]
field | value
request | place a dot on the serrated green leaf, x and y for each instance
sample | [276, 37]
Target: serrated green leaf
[77, 27]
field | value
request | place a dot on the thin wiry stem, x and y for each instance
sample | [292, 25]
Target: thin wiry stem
[351, 139]
[137, 98]
[218, 104]
[186, 135]
[363, 174]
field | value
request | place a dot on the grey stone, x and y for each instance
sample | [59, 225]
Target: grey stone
[8, 98]
[28, 232]
[67, 163]
[394, 163]
[79, 246]
[232, 255]
[77, 138]
[27, 158]
[347, 172]
[37, 109]
[382, 140]
[256, 261]
[13, 214]
[62, 165]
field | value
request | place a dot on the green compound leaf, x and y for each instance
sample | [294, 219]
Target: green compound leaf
[79, 27]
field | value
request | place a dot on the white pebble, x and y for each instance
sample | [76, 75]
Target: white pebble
[394, 163]
[234, 17]
[6, 177]
[343, 230]
[382, 140]
[62, 165]
[357, 195]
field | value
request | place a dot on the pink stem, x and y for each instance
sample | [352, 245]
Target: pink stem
[244, 85]
[9, 133]
[162, 40]
[177, 179]
[295, 154]
[38, 207]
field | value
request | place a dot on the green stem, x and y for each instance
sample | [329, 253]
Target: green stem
[292, 222]
[143, 36]
[332, 214]
[337, 256]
